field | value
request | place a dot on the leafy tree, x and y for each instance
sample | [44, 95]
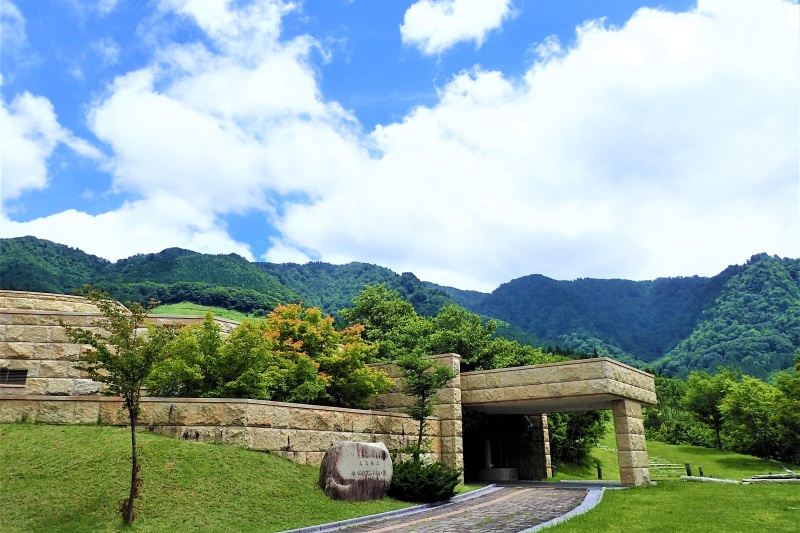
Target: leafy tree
[340, 356]
[574, 435]
[421, 379]
[704, 395]
[294, 355]
[749, 410]
[121, 356]
[787, 409]
[456, 330]
[389, 322]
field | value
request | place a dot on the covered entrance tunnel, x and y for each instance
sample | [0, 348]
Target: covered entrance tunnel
[498, 446]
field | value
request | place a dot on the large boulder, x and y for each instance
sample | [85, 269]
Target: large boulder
[356, 471]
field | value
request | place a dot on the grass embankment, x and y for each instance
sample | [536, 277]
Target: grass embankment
[674, 505]
[188, 308]
[70, 478]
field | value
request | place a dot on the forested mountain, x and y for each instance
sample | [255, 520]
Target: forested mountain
[333, 287]
[32, 264]
[753, 325]
[748, 316]
[173, 275]
[636, 319]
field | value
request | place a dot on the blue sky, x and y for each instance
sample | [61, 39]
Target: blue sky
[468, 141]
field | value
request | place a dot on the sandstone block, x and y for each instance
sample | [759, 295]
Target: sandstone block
[451, 428]
[629, 442]
[452, 445]
[632, 459]
[55, 412]
[36, 386]
[628, 425]
[473, 381]
[628, 408]
[59, 386]
[634, 477]
[85, 387]
[86, 412]
[356, 471]
[12, 411]
[555, 390]
[300, 418]
[264, 439]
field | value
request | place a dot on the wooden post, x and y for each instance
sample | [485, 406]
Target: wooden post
[599, 471]
[688, 469]
[700, 468]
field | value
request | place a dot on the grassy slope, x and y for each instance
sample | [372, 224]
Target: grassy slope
[70, 478]
[189, 308]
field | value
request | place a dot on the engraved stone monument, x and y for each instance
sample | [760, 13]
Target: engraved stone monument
[356, 471]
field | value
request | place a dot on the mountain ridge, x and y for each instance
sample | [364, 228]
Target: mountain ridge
[672, 325]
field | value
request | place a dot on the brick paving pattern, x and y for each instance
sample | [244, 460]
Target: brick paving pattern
[509, 510]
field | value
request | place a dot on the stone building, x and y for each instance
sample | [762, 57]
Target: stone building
[38, 382]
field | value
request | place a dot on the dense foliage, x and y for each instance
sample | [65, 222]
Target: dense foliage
[31, 264]
[333, 287]
[754, 324]
[573, 436]
[731, 411]
[392, 324]
[418, 481]
[294, 355]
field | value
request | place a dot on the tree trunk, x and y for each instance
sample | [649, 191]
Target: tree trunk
[418, 449]
[127, 515]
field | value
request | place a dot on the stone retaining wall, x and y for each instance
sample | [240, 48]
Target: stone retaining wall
[32, 339]
[301, 433]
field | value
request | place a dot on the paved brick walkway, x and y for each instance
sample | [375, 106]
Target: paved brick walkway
[508, 510]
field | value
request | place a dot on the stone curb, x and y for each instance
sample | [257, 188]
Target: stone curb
[592, 498]
[336, 526]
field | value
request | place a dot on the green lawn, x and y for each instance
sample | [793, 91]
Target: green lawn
[673, 505]
[189, 308]
[70, 478]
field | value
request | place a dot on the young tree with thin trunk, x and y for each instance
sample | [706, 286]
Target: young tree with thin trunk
[121, 351]
[421, 378]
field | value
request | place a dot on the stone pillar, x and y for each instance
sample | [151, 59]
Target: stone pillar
[542, 466]
[448, 410]
[487, 453]
[631, 446]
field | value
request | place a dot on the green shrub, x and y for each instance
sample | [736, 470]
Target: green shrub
[416, 481]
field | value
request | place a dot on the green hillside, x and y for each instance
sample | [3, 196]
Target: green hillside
[31, 264]
[753, 325]
[333, 287]
[747, 316]
[69, 478]
[639, 320]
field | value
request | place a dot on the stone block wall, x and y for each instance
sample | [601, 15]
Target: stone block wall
[301, 433]
[32, 339]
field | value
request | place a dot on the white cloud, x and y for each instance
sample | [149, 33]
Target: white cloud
[145, 226]
[31, 132]
[433, 26]
[668, 146]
